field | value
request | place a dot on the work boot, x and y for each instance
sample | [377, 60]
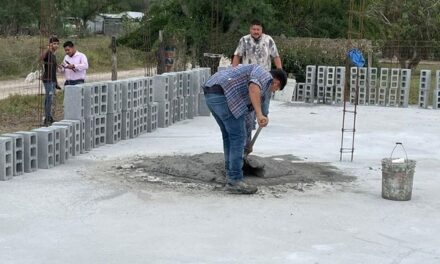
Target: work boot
[240, 187]
[51, 120]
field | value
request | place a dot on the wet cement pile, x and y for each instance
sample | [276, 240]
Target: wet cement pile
[209, 168]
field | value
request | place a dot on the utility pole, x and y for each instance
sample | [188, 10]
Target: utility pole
[114, 60]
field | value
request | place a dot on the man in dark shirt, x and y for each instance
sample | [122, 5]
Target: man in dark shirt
[50, 81]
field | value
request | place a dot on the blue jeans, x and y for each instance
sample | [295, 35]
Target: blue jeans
[233, 133]
[49, 87]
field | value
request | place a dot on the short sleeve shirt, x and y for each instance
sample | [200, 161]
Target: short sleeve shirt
[259, 52]
[235, 83]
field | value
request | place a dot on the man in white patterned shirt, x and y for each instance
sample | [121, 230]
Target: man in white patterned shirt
[257, 48]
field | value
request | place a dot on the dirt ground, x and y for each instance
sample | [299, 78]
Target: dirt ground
[205, 172]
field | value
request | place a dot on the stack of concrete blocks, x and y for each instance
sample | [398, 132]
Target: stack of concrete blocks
[383, 87]
[436, 93]
[17, 153]
[65, 147]
[114, 112]
[173, 95]
[405, 84]
[354, 82]
[78, 106]
[100, 95]
[150, 107]
[299, 92]
[74, 127]
[180, 96]
[193, 98]
[372, 86]
[186, 92]
[127, 108]
[162, 98]
[321, 83]
[362, 94]
[309, 93]
[135, 118]
[46, 147]
[394, 87]
[203, 107]
[425, 84]
[30, 148]
[339, 84]
[6, 158]
[330, 85]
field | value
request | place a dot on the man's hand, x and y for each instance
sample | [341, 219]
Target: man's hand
[262, 120]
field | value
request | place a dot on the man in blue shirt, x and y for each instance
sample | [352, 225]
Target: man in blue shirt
[230, 95]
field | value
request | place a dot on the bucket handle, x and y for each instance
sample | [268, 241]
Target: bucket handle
[399, 144]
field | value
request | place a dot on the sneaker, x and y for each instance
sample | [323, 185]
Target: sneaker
[240, 188]
[51, 120]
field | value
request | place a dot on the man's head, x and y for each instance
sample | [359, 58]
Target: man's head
[69, 48]
[54, 43]
[279, 80]
[256, 29]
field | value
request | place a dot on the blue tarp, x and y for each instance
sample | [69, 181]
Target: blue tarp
[356, 57]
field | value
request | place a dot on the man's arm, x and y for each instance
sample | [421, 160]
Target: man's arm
[277, 62]
[83, 65]
[255, 96]
[236, 60]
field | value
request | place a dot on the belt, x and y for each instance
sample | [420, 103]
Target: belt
[213, 89]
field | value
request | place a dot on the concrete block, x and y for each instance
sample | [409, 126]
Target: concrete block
[299, 92]
[174, 111]
[125, 125]
[180, 84]
[152, 117]
[192, 107]
[89, 133]
[163, 114]
[436, 99]
[17, 153]
[311, 74]
[103, 95]
[100, 126]
[309, 93]
[172, 88]
[65, 148]
[372, 86]
[187, 83]
[425, 85]
[148, 90]
[329, 94]
[74, 102]
[195, 82]
[134, 122]
[321, 76]
[114, 128]
[6, 158]
[383, 87]
[340, 76]
[405, 85]
[181, 109]
[127, 95]
[71, 135]
[137, 84]
[339, 94]
[161, 88]
[75, 134]
[114, 97]
[143, 128]
[57, 144]
[46, 147]
[30, 150]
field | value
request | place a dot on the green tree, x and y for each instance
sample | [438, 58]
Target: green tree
[17, 15]
[410, 29]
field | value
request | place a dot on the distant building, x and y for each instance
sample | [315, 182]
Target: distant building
[112, 24]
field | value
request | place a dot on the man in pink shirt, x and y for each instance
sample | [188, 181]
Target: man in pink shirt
[74, 65]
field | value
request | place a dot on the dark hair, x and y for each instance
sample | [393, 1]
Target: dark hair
[68, 44]
[53, 39]
[281, 76]
[256, 22]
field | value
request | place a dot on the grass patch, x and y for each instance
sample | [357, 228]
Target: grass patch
[20, 55]
[25, 112]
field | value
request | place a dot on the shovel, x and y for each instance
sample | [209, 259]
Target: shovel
[250, 167]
